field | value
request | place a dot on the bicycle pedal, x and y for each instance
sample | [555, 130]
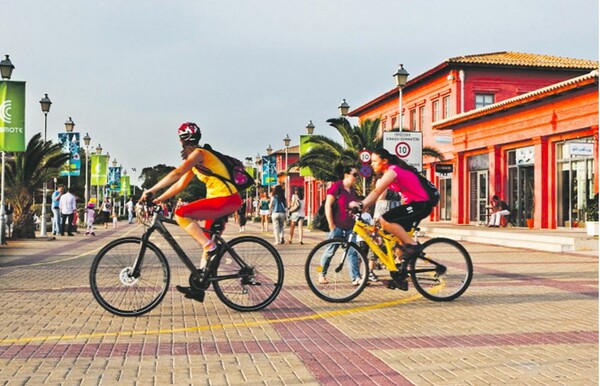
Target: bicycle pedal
[191, 293]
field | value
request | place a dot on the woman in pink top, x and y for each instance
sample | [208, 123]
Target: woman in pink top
[417, 204]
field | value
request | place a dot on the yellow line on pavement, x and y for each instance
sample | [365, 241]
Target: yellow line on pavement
[323, 315]
[63, 260]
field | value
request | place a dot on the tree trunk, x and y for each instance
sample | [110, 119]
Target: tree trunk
[24, 227]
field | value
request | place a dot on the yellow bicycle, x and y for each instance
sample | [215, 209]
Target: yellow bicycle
[441, 272]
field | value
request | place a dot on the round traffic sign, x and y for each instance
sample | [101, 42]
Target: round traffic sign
[403, 149]
[366, 170]
[365, 156]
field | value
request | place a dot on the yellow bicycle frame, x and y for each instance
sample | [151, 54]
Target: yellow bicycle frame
[365, 231]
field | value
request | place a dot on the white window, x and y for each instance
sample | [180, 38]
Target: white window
[482, 100]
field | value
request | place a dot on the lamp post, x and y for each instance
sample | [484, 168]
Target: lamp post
[134, 179]
[401, 76]
[286, 142]
[98, 152]
[269, 150]
[45, 103]
[257, 162]
[310, 129]
[86, 141]
[6, 69]
[344, 107]
[69, 125]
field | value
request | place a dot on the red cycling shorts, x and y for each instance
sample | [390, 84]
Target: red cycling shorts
[208, 209]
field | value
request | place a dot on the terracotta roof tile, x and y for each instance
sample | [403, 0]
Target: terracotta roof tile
[509, 58]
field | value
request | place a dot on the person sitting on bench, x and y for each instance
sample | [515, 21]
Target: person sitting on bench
[499, 209]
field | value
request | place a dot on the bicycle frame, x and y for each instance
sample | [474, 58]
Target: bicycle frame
[158, 225]
[365, 231]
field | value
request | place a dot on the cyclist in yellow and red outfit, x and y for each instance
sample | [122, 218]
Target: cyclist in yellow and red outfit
[222, 198]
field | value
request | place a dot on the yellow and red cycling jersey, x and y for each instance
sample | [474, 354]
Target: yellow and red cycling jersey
[215, 187]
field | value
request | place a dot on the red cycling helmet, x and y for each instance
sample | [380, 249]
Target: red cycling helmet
[190, 133]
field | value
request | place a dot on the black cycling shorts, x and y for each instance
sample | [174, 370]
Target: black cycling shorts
[409, 215]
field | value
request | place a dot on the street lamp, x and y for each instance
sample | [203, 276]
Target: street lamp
[286, 142]
[69, 125]
[86, 141]
[134, 179]
[401, 76]
[6, 68]
[45, 103]
[269, 150]
[344, 107]
[310, 128]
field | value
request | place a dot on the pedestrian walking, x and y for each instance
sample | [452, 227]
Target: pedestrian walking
[277, 208]
[56, 217]
[68, 206]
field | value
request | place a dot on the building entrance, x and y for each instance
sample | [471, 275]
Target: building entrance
[575, 181]
[478, 182]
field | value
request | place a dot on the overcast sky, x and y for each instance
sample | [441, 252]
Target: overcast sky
[248, 72]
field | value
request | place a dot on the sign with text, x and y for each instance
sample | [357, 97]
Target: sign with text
[12, 116]
[305, 147]
[406, 145]
[584, 149]
[99, 169]
[444, 168]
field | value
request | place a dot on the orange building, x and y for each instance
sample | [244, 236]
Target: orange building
[522, 126]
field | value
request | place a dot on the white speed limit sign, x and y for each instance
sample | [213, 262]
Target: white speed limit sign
[365, 156]
[407, 145]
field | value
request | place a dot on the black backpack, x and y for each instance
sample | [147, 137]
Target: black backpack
[432, 191]
[239, 176]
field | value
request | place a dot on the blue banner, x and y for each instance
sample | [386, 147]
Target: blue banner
[269, 170]
[114, 178]
[70, 144]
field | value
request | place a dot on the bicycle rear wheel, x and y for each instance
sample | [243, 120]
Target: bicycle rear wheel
[254, 286]
[328, 270]
[443, 271]
[117, 290]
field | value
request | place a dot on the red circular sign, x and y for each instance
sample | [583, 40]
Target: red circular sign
[365, 156]
[402, 149]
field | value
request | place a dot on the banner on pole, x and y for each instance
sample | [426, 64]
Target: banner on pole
[12, 116]
[70, 144]
[125, 186]
[99, 169]
[269, 170]
[114, 178]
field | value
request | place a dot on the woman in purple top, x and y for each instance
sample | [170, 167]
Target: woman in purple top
[403, 178]
[340, 221]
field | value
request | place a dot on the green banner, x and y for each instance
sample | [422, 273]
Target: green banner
[125, 186]
[12, 116]
[99, 170]
[305, 148]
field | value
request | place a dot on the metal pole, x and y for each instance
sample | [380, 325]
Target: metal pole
[45, 186]
[400, 108]
[287, 178]
[69, 172]
[2, 214]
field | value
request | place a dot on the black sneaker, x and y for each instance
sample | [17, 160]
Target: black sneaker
[210, 256]
[191, 293]
[396, 284]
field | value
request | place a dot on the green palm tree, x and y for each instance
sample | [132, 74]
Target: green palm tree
[25, 173]
[325, 154]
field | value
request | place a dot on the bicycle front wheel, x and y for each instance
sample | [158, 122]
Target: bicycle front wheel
[113, 283]
[443, 271]
[336, 270]
[250, 278]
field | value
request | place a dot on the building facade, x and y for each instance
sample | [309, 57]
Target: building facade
[522, 126]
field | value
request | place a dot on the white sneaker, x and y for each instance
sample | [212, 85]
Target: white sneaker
[357, 282]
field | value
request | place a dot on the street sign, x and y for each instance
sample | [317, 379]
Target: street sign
[365, 156]
[444, 168]
[407, 145]
[366, 170]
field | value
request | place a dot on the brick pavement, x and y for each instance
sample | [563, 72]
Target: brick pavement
[528, 318]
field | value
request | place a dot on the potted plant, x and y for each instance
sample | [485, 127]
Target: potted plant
[591, 216]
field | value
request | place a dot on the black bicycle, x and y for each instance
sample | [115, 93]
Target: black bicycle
[130, 276]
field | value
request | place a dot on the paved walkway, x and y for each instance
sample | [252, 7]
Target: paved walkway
[529, 317]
